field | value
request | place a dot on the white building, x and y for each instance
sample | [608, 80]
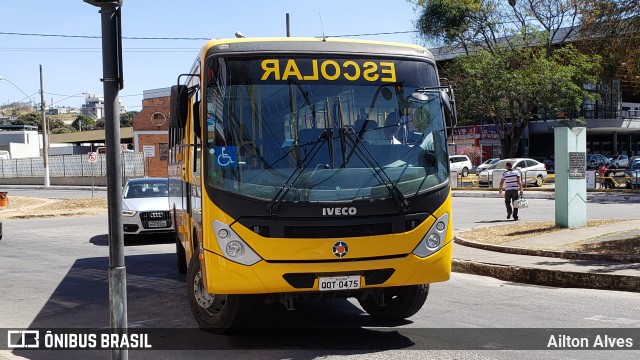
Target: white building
[94, 106]
[21, 141]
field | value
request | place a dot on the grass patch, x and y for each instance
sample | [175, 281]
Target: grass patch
[504, 234]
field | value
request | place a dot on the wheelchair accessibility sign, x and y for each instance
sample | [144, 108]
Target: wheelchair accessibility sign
[226, 156]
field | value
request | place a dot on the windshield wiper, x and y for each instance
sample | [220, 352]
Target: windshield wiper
[277, 199]
[365, 156]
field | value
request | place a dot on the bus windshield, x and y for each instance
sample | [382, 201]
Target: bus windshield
[310, 129]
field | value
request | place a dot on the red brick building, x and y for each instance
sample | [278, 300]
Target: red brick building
[151, 129]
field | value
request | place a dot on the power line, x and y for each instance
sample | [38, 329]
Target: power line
[375, 34]
[183, 38]
[100, 37]
[96, 50]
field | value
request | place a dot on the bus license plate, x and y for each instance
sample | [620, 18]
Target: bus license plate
[339, 283]
[162, 223]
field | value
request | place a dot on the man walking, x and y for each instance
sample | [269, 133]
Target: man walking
[511, 182]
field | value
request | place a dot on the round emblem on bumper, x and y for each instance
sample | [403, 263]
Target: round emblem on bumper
[340, 249]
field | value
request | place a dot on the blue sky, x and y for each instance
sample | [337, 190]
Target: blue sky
[74, 65]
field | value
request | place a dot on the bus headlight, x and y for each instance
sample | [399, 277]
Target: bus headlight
[434, 239]
[233, 247]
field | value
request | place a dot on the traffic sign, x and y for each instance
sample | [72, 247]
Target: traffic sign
[149, 150]
[124, 147]
[93, 157]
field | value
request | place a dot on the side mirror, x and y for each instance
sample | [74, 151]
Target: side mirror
[178, 106]
[197, 124]
[449, 105]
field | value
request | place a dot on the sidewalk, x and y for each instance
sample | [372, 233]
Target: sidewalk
[541, 260]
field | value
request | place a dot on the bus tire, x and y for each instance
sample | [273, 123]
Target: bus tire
[215, 313]
[181, 256]
[400, 302]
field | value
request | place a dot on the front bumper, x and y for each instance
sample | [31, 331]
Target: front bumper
[227, 277]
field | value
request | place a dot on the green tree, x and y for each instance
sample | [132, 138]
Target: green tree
[32, 118]
[62, 130]
[470, 25]
[613, 27]
[83, 122]
[55, 123]
[126, 119]
[509, 85]
[512, 70]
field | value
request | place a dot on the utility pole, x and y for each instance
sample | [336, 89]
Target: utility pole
[288, 26]
[45, 134]
[112, 79]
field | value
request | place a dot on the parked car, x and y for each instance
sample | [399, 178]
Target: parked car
[145, 207]
[633, 175]
[486, 164]
[460, 163]
[533, 172]
[548, 162]
[596, 161]
[620, 161]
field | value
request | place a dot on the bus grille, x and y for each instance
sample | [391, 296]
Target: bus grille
[337, 231]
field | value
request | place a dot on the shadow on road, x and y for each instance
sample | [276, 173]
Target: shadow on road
[103, 240]
[157, 304]
[493, 221]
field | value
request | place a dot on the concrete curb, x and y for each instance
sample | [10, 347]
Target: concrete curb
[546, 277]
[573, 255]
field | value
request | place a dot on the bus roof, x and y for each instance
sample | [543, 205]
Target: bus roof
[313, 45]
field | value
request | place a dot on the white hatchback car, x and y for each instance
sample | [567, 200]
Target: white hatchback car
[460, 163]
[145, 207]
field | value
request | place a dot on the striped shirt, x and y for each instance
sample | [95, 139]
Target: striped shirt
[510, 178]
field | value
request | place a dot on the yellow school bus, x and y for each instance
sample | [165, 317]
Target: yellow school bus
[303, 168]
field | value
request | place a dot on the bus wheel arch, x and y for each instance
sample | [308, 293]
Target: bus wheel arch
[399, 302]
[217, 313]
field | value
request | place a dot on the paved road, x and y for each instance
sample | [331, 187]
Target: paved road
[473, 212]
[54, 275]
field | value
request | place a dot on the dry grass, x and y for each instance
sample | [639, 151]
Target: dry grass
[504, 234]
[613, 247]
[27, 207]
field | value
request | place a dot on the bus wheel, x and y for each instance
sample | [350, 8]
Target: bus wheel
[181, 257]
[215, 312]
[399, 302]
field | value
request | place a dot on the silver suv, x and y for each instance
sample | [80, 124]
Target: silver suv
[460, 164]
[620, 161]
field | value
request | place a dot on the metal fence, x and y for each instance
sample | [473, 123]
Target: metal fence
[70, 166]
